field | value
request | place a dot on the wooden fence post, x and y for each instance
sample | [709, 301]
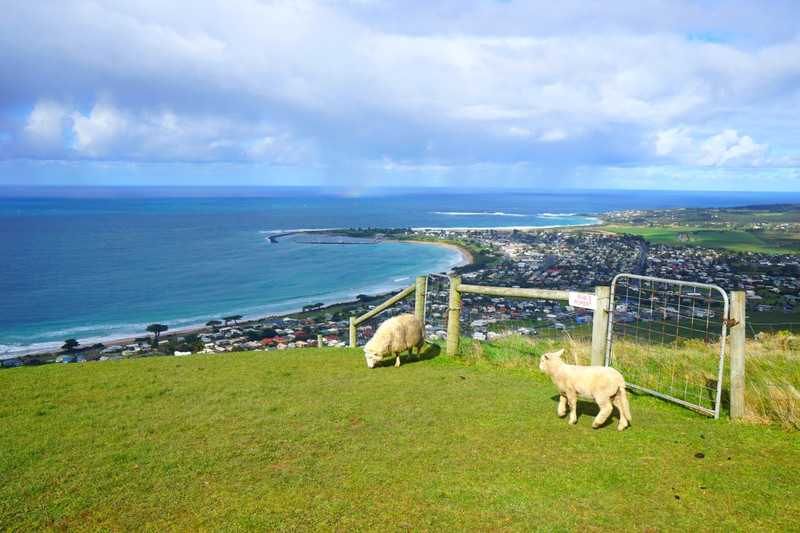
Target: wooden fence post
[352, 332]
[419, 303]
[453, 316]
[600, 326]
[737, 336]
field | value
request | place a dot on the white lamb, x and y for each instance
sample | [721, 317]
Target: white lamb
[396, 335]
[603, 384]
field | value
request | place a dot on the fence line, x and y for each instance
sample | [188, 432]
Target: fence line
[429, 305]
[458, 289]
[417, 289]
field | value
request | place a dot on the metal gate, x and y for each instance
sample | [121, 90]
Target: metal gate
[667, 338]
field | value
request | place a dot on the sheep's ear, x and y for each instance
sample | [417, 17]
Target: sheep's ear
[560, 352]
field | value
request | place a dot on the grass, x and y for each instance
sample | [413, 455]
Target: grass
[729, 239]
[312, 440]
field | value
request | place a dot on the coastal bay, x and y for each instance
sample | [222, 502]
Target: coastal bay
[102, 269]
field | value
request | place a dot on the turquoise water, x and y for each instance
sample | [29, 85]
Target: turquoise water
[106, 266]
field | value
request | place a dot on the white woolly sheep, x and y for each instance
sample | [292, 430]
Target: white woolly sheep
[396, 335]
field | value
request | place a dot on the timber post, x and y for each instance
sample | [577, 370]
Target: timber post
[419, 302]
[600, 326]
[737, 337]
[352, 332]
[453, 316]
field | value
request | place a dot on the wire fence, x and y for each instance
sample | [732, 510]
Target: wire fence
[493, 320]
[366, 329]
[666, 338]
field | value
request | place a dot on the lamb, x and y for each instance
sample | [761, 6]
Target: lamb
[396, 335]
[604, 384]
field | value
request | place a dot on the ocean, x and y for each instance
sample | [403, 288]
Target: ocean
[101, 264]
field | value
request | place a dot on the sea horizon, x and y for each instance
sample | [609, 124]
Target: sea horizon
[98, 265]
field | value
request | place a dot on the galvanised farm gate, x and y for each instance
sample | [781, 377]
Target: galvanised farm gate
[668, 338]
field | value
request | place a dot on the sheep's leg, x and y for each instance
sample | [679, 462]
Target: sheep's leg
[572, 400]
[397, 362]
[623, 422]
[562, 406]
[605, 410]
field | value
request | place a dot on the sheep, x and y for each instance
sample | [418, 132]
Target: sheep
[396, 335]
[604, 384]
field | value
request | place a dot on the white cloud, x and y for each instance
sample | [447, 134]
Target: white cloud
[43, 130]
[280, 150]
[725, 149]
[96, 134]
[729, 149]
[554, 135]
[674, 141]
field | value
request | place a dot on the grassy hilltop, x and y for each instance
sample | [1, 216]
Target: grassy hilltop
[312, 440]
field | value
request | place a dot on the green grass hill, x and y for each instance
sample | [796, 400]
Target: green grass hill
[312, 440]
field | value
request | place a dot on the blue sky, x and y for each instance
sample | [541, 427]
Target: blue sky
[673, 94]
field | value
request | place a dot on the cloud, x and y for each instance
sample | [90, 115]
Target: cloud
[108, 132]
[725, 149]
[43, 130]
[280, 150]
[97, 134]
[729, 149]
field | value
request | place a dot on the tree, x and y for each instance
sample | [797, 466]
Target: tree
[70, 345]
[192, 343]
[157, 329]
[232, 318]
[213, 323]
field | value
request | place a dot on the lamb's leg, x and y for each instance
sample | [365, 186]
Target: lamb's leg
[562, 406]
[572, 400]
[623, 422]
[397, 362]
[605, 410]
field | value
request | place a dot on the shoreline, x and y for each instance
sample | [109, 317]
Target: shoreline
[244, 322]
[466, 259]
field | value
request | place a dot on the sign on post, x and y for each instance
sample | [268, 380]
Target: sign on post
[582, 300]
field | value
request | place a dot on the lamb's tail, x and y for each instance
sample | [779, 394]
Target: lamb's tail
[622, 403]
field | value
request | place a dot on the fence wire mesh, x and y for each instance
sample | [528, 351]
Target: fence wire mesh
[366, 329]
[668, 338]
[437, 302]
[510, 324]
[493, 318]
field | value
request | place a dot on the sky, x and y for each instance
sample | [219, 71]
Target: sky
[645, 94]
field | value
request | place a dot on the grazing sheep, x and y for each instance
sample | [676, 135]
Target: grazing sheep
[601, 383]
[396, 335]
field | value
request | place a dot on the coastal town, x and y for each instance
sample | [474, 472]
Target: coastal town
[571, 259]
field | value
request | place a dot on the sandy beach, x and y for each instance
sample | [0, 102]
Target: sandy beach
[466, 257]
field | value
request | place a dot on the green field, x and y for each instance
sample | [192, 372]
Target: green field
[734, 240]
[312, 440]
